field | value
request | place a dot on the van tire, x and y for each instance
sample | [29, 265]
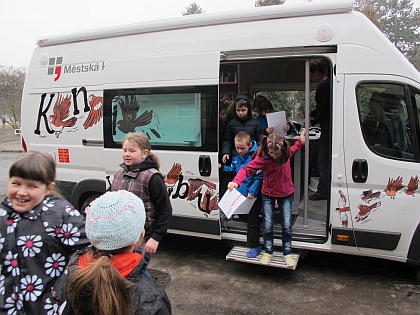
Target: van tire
[87, 202]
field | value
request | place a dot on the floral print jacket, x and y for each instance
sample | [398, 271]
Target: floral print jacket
[34, 249]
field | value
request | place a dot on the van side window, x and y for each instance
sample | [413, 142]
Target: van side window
[415, 103]
[169, 117]
[385, 119]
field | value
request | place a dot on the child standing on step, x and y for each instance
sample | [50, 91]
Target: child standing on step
[250, 188]
[273, 158]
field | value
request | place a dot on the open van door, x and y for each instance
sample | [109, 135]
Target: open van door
[382, 169]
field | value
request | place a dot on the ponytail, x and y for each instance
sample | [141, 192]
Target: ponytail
[98, 275]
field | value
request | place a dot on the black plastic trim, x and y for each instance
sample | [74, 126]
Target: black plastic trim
[65, 188]
[413, 256]
[367, 239]
[196, 225]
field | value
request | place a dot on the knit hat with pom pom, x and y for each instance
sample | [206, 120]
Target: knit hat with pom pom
[115, 220]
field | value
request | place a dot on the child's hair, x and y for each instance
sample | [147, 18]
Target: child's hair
[275, 141]
[118, 297]
[243, 136]
[142, 141]
[258, 99]
[241, 103]
[265, 105]
[34, 165]
[114, 223]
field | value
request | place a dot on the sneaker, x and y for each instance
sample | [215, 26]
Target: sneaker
[290, 261]
[266, 259]
[253, 252]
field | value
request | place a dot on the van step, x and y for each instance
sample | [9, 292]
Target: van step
[238, 253]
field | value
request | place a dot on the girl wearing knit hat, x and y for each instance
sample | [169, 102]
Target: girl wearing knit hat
[140, 175]
[38, 232]
[107, 279]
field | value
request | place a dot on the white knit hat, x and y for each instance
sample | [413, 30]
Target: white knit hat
[115, 220]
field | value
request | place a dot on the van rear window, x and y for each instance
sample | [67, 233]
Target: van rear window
[185, 117]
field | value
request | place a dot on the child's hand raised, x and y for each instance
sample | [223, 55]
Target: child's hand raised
[302, 136]
[232, 185]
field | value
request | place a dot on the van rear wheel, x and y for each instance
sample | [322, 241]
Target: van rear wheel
[87, 202]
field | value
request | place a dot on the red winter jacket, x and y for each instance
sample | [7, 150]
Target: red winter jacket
[277, 179]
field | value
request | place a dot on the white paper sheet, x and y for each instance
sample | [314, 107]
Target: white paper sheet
[277, 120]
[233, 202]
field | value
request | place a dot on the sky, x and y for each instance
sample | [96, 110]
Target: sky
[22, 22]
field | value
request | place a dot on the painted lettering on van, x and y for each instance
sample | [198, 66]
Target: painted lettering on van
[91, 67]
[55, 66]
[193, 189]
[55, 123]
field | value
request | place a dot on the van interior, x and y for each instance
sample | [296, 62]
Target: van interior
[283, 81]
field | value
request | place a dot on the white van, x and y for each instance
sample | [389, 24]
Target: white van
[85, 91]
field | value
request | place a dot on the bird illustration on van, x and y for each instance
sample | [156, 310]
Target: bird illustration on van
[368, 195]
[96, 111]
[412, 185]
[365, 210]
[129, 109]
[342, 209]
[173, 175]
[195, 185]
[58, 121]
[210, 202]
[393, 186]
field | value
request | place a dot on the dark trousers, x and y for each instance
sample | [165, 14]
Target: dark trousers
[254, 224]
[323, 163]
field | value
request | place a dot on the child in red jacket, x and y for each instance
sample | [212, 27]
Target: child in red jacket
[273, 159]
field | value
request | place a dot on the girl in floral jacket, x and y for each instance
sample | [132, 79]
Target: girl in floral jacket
[38, 232]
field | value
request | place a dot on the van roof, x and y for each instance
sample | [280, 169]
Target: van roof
[198, 20]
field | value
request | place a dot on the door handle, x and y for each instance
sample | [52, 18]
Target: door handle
[359, 170]
[204, 165]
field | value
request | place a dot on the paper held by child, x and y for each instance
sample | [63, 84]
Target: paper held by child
[278, 121]
[233, 202]
[299, 118]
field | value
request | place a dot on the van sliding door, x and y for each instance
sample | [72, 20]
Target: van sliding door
[173, 101]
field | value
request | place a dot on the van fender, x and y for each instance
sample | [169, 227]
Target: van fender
[87, 189]
[413, 256]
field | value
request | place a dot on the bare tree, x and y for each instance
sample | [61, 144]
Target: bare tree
[11, 88]
[193, 8]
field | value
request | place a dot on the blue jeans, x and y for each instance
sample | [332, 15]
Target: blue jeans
[285, 207]
[147, 257]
